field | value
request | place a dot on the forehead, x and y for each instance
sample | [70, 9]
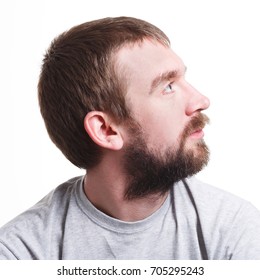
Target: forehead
[141, 63]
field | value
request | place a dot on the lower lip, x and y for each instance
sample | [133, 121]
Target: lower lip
[197, 134]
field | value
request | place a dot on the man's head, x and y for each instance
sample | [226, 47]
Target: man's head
[79, 76]
[115, 85]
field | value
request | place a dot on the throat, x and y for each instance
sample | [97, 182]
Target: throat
[110, 200]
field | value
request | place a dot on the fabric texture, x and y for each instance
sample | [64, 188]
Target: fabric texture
[197, 221]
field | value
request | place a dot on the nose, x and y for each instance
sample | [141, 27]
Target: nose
[196, 101]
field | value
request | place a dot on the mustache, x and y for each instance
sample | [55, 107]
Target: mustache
[198, 122]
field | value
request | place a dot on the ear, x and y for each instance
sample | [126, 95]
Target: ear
[103, 131]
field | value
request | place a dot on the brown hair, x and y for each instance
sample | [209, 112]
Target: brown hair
[78, 76]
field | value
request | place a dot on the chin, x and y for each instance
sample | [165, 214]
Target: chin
[198, 150]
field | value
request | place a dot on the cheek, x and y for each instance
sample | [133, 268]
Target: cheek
[162, 127]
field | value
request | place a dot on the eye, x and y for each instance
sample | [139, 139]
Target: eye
[169, 88]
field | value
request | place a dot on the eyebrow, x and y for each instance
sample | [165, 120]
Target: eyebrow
[166, 76]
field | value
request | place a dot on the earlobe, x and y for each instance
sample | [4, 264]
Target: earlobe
[102, 131]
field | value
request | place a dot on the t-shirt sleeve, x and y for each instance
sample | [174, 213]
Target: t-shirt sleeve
[243, 242]
[5, 253]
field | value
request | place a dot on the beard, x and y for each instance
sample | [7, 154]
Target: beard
[152, 172]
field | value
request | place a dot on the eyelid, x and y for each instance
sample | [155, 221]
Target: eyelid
[173, 80]
[168, 84]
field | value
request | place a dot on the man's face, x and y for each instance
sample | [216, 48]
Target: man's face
[163, 104]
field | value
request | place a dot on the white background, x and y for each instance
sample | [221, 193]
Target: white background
[219, 43]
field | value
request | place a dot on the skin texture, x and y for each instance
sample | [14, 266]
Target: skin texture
[162, 102]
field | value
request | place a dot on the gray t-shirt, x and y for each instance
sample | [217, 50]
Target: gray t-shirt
[197, 221]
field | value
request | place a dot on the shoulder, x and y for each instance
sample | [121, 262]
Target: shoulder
[38, 224]
[231, 225]
[213, 202]
[214, 205]
[214, 198]
[54, 202]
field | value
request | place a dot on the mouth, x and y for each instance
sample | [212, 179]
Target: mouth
[197, 134]
[194, 129]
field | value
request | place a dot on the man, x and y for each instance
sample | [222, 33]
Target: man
[115, 101]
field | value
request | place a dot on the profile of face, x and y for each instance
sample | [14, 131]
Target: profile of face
[165, 134]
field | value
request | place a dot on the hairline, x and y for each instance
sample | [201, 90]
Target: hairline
[121, 70]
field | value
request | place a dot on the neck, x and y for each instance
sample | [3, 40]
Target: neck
[105, 188]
